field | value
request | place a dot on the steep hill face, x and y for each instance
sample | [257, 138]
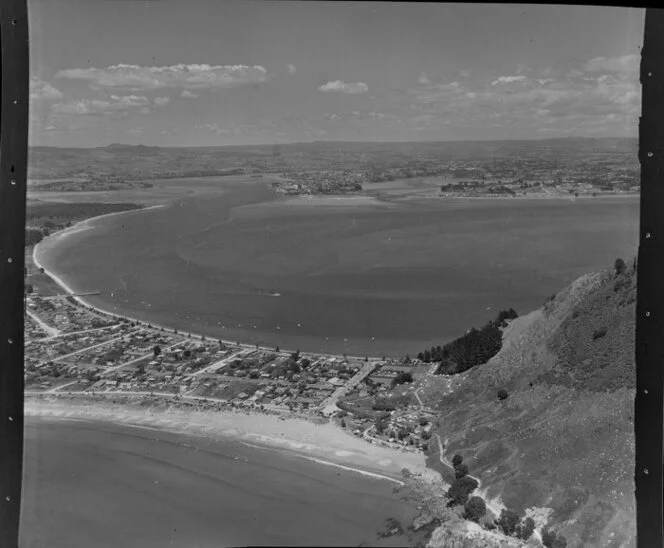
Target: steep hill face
[560, 448]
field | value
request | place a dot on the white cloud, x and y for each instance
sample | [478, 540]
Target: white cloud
[134, 77]
[574, 73]
[292, 69]
[544, 81]
[508, 80]
[423, 79]
[161, 101]
[100, 106]
[39, 89]
[625, 63]
[186, 94]
[342, 87]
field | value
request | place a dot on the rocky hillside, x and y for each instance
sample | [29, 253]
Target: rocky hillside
[560, 447]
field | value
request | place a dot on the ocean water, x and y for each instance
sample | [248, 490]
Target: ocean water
[367, 279]
[95, 484]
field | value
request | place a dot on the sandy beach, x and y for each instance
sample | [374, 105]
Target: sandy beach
[321, 443]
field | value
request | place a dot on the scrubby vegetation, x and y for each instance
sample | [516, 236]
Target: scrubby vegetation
[594, 346]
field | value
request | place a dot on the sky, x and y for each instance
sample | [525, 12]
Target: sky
[216, 73]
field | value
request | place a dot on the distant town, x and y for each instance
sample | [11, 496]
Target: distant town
[555, 167]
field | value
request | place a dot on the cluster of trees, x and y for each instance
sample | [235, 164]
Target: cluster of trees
[33, 236]
[476, 347]
[509, 522]
[401, 378]
[459, 492]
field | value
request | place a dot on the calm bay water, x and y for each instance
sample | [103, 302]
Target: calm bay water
[103, 485]
[366, 279]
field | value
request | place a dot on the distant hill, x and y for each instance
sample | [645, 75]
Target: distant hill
[562, 443]
[139, 162]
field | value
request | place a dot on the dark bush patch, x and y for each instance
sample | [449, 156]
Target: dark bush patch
[599, 333]
[475, 509]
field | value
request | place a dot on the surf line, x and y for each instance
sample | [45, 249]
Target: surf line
[356, 470]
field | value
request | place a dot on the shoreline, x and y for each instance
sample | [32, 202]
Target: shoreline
[324, 444]
[83, 225]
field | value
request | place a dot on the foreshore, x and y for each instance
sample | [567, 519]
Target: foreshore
[325, 444]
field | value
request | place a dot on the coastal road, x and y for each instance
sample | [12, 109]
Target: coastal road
[144, 393]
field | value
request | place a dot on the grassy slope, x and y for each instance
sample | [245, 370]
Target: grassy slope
[563, 440]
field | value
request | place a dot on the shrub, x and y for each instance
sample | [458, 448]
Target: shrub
[461, 489]
[457, 460]
[599, 333]
[620, 266]
[475, 509]
[507, 522]
[502, 394]
[460, 471]
[526, 529]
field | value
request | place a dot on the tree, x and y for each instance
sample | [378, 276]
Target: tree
[461, 489]
[620, 266]
[457, 460]
[475, 509]
[460, 471]
[343, 423]
[156, 350]
[187, 353]
[29, 289]
[526, 529]
[508, 522]
[502, 394]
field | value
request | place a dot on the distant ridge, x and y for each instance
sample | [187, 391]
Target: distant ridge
[316, 143]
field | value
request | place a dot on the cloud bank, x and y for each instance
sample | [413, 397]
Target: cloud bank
[190, 77]
[342, 87]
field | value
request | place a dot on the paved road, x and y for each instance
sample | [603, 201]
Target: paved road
[222, 362]
[67, 333]
[329, 404]
[89, 348]
[130, 362]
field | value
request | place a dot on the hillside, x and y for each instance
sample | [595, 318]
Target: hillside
[560, 448]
